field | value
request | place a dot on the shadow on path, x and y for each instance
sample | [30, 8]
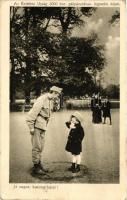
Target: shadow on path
[59, 173]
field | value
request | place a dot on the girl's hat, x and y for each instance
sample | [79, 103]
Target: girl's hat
[78, 116]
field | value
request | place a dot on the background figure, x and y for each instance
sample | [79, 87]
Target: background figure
[96, 106]
[92, 106]
[106, 110]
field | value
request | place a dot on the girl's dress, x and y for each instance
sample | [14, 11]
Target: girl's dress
[75, 137]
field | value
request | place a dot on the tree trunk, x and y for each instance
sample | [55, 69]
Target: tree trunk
[27, 96]
[27, 81]
[38, 87]
[12, 84]
[28, 64]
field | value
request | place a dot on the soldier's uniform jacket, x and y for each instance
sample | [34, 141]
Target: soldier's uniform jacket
[40, 113]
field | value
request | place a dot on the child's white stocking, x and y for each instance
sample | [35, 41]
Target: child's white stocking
[78, 159]
[73, 159]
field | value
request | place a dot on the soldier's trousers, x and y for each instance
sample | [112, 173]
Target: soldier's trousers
[38, 140]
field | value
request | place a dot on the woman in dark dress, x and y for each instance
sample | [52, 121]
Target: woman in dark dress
[74, 142]
[96, 106]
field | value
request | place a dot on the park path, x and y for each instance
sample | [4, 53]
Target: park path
[100, 156]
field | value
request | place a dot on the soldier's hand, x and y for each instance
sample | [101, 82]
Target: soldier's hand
[32, 131]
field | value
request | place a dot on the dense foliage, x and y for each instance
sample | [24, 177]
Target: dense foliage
[40, 57]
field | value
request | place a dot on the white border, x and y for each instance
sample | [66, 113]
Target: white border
[62, 191]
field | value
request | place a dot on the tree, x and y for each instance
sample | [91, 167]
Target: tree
[14, 17]
[113, 91]
[74, 64]
[69, 17]
[26, 25]
[115, 18]
[64, 60]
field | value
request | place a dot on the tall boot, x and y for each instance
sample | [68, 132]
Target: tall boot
[37, 170]
[42, 168]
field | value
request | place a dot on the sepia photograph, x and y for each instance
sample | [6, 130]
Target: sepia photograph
[64, 95]
[62, 100]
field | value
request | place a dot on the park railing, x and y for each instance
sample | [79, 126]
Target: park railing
[86, 103]
[20, 105]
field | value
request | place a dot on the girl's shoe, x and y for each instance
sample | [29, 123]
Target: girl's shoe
[72, 168]
[77, 168]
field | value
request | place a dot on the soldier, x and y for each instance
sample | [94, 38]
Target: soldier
[37, 120]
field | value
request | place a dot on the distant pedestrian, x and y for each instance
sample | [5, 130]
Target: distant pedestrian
[106, 108]
[74, 142]
[92, 105]
[37, 120]
[96, 106]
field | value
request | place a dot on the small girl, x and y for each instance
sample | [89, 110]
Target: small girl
[74, 142]
[106, 108]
